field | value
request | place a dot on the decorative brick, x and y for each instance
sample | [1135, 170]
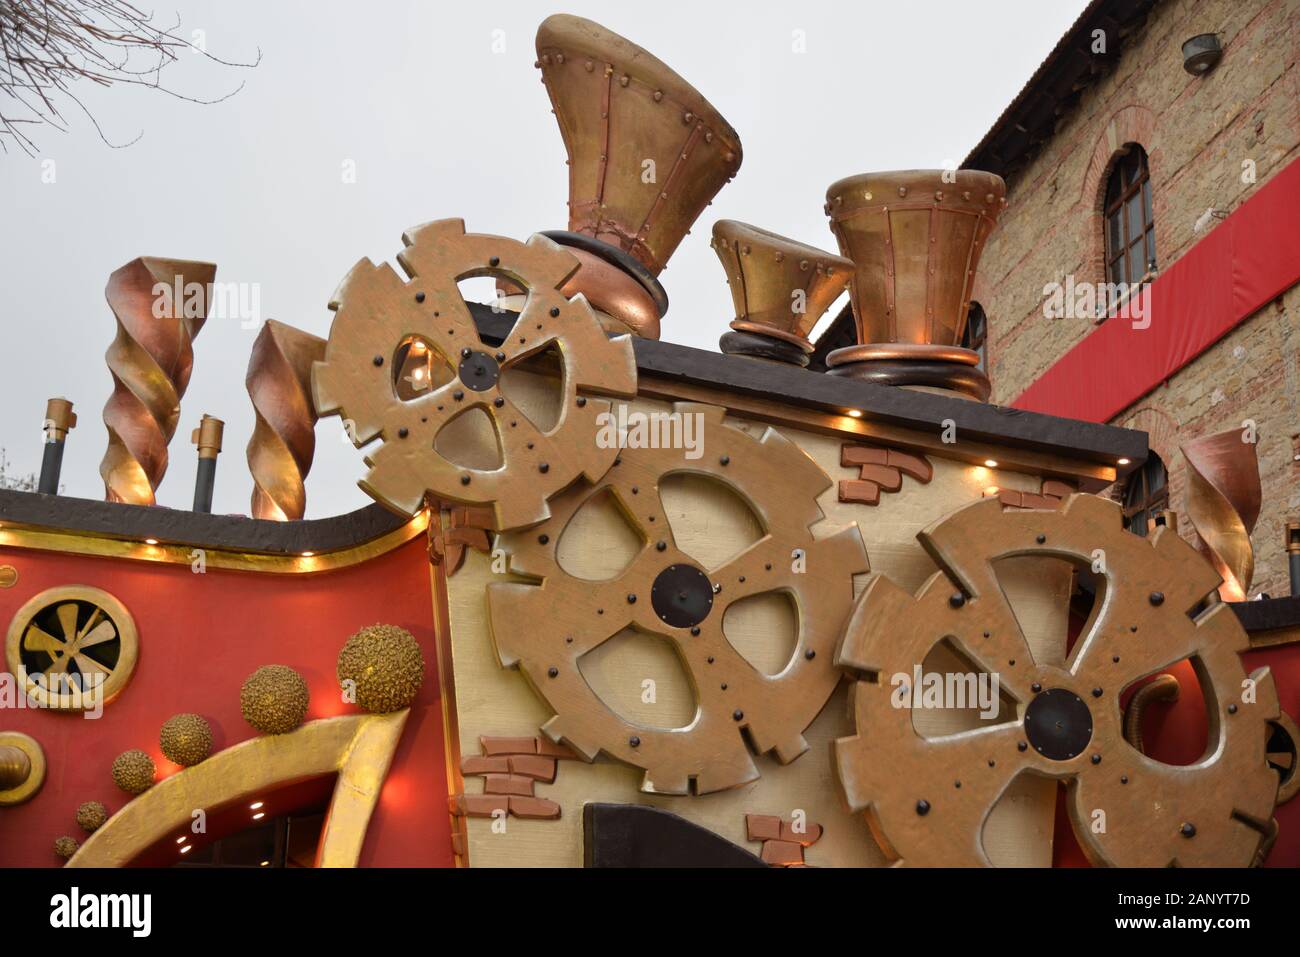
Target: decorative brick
[859, 492]
[508, 745]
[534, 807]
[478, 764]
[856, 455]
[507, 784]
[890, 480]
[481, 805]
[916, 466]
[533, 766]
[762, 827]
[1058, 488]
[811, 834]
[782, 853]
[548, 748]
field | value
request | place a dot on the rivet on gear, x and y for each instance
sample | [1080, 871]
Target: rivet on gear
[376, 315]
[1060, 727]
[568, 617]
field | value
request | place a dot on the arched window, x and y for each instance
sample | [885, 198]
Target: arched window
[976, 334]
[1146, 494]
[1130, 226]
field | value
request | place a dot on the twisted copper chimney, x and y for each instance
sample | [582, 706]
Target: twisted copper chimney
[916, 237]
[1223, 502]
[160, 305]
[647, 152]
[780, 288]
[284, 437]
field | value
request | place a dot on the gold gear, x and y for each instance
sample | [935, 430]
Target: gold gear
[1211, 813]
[544, 628]
[377, 312]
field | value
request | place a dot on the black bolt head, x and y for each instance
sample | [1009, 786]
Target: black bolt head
[660, 546]
[1022, 746]
[466, 352]
[738, 715]
[419, 297]
[1157, 598]
[498, 402]
[1096, 692]
[631, 599]
[543, 468]
[403, 432]
[923, 807]
[464, 480]
[1188, 830]
[378, 360]
[494, 261]
[1040, 539]
[552, 671]
[810, 654]
[543, 539]
[1035, 687]
[1232, 709]
[1096, 759]
[956, 599]
[634, 741]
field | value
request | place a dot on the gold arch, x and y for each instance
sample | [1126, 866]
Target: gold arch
[359, 747]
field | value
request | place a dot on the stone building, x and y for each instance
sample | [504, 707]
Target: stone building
[1113, 137]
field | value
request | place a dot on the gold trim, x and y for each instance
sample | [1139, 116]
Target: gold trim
[123, 624]
[359, 747]
[1287, 724]
[103, 546]
[8, 576]
[447, 693]
[35, 775]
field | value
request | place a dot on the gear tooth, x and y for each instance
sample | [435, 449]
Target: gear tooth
[322, 396]
[719, 776]
[560, 263]
[846, 549]
[404, 501]
[1083, 506]
[712, 414]
[360, 271]
[800, 462]
[434, 229]
[1266, 693]
[556, 730]
[790, 748]
[879, 609]
[669, 783]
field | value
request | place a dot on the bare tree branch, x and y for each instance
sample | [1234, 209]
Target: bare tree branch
[48, 45]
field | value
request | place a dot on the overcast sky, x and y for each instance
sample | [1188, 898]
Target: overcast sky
[440, 121]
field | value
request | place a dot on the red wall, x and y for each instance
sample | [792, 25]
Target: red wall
[200, 637]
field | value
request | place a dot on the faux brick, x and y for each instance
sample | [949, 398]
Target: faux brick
[533, 766]
[478, 764]
[811, 834]
[1009, 497]
[507, 784]
[853, 455]
[508, 745]
[914, 465]
[859, 492]
[1029, 500]
[481, 805]
[1058, 488]
[762, 827]
[534, 807]
[782, 852]
[888, 479]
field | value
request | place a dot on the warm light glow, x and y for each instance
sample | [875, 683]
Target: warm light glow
[417, 346]
[990, 463]
[308, 554]
[266, 863]
[182, 839]
[151, 541]
[1124, 461]
[417, 374]
[855, 413]
[255, 805]
[187, 848]
[991, 491]
[259, 815]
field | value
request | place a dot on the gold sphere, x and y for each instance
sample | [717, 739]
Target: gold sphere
[91, 815]
[385, 665]
[65, 847]
[133, 771]
[185, 739]
[274, 699]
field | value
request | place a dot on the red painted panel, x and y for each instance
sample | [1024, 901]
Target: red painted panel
[200, 636]
[1248, 260]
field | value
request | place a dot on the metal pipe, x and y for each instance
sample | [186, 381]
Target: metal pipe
[208, 438]
[1293, 554]
[59, 419]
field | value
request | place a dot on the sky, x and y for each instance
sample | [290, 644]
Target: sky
[439, 111]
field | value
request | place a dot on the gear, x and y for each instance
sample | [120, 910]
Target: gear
[379, 317]
[927, 799]
[545, 628]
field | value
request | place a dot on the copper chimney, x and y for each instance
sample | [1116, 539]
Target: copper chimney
[915, 237]
[780, 288]
[646, 152]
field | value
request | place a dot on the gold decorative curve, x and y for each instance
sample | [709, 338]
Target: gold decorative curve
[29, 784]
[81, 543]
[359, 747]
[1223, 501]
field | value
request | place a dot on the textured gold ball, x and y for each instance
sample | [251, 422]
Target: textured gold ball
[385, 664]
[185, 739]
[91, 815]
[133, 771]
[65, 847]
[274, 699]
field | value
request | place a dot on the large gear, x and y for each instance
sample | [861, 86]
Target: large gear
[927, 799]
[545, 628]
[377, 312]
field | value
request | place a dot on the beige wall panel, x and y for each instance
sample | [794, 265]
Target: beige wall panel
[712, 524]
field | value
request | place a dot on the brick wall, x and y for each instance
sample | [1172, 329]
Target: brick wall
[1197, 133]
